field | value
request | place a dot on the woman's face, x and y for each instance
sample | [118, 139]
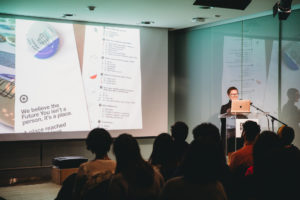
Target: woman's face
[234, 95]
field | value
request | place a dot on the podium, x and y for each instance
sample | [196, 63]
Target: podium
[234, 127]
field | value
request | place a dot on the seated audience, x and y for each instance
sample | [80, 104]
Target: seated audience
[201, 173]
[209, 133]
[179, 132]
[242, 159]
[163, 155]
[276, 168]
[94, 176]
[135, 179]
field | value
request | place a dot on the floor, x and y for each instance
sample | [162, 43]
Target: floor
[40, 191]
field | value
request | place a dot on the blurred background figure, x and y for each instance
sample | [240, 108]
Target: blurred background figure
[290, 113]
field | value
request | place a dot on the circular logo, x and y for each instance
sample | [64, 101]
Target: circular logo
[43, 39]
[23, 98]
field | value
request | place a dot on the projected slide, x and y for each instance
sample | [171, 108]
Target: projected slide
[63, 77]
[251, 77]
[112, 77]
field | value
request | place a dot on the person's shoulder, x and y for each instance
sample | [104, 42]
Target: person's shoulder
[83, 166]
[175, 181]
[158, 177]
[117, 179]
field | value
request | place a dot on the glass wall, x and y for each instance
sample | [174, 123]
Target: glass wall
[290, 73]
[243, 54]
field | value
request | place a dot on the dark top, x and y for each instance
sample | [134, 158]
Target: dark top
[223, 110]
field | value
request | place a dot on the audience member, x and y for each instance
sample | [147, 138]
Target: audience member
[93, 176]
[276, 169]
[135, 179]
[209, 133]
[163, 156]
[286, 136]
[179, 132]
[242, 159]
[201, 172]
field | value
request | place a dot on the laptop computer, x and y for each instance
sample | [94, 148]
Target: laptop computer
[240, 106]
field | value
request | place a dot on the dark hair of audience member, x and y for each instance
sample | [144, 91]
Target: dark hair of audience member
[210, 133]
[276, 168]
[207, 131]
[99, 142]
[265, 144]
[251, 129]
[130, 162]
[230, 89]
[179, 131]
[163, 155]
[286, 135]
[202, 163]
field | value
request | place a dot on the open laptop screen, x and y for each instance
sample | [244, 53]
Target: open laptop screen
[240, 106]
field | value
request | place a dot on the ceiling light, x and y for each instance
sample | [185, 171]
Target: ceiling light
[91, 8]
[206, 7]
[147, 22]
[68, 15]
[198, 19]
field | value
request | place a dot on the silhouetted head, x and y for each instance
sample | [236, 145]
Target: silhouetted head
[130, 162]
[207, 131]
[163, 149]
[265, 146]
[179, 131]
[203, 162]
[286, 135]
[293, 94]
[250, 130]
[98, 142]
[126, 149]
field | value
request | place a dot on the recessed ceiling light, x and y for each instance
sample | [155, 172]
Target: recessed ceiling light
[198, 19]
[68, 15]
[91, 8]
[147, 22]
[206, 7]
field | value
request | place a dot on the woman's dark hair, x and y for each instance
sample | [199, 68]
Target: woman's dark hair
[98, 141]
[163, 155]
[264, 149]
[130, 162]
[203, 162]
[276, 169]
[207, 131]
